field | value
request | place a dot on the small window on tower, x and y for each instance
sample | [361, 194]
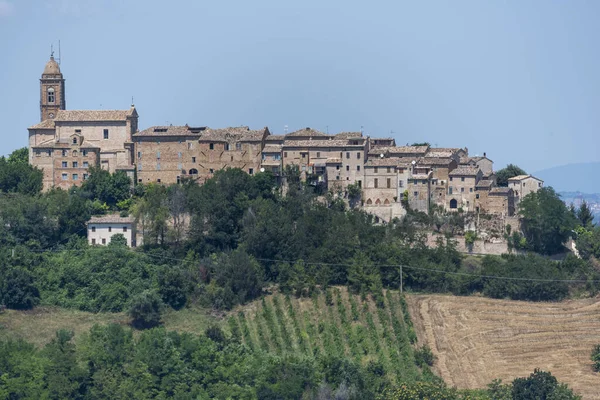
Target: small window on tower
[105, 134]
[50, 95]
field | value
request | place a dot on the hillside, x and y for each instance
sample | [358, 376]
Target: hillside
[572, 177]
[477, 339]
[337, 324]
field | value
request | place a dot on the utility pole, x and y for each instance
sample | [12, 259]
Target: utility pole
[400, 279]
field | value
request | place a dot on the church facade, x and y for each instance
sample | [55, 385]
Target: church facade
[65, 143]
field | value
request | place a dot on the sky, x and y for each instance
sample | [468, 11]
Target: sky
[518, 80]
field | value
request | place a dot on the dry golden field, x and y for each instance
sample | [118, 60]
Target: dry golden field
[478, 339]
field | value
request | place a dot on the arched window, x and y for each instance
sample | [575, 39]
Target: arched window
[386, 202]
[453, 203]
[378, 201]
[50, 95]
[369, 202]
[74, 153]
[193, 171]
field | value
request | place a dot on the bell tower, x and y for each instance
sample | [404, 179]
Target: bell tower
[52, 90]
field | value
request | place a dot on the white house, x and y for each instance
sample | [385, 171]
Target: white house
[101, 229]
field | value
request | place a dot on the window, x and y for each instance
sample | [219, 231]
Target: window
[179, 155]
[389, 170]
[158, 166]
[49, 153]
[318, 154]
[450, 190]
[64, 153]
[375, 170]
[303, 155]
[75, 177]
[158, 180]
[358, 167]
[179, 166]
[139, 154]
[105, 134]
[462, 178]
[450, 179]
[347, 154]
[358, 155]
[110, 228]
[74, 153]
[337, 178]
[158, 155]
[400, 183]
[193, 159]
[211, 146]
[85, 176]
[415, 194]
[139, 166]
[337, 167]
[347, 168]
[211, 171]
[477, 196]
[462, 189]
[193, 171]
[37, 153]
[64, 177]
[238, 146]
[285, 153]
[389, 183]
[75, 164]
[226, 146]
[103, 241]
[93, 240]
[93, 229]
[251, 171]
[376, 183]
[84, 153]
[539, 184]
[190, 145]
[471, 190]
[51, 95]
[74, 140]
[124, 229]
[64, 164]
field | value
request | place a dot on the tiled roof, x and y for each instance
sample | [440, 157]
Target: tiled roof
[272, 148]
[521, 177]
[434, 160]
[349, 135]
[465, 171]
[408, 149]
[110, 218]
[382, 162]
[306, 132]
[320, 143]
[479, 158]
[94, 115]
[45, 124]
[172, 130]
[466, 160]
[275, 138]
[484, 183]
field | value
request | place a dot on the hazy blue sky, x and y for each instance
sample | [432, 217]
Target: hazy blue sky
[516, 79]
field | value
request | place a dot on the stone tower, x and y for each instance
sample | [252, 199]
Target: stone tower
[52, 91]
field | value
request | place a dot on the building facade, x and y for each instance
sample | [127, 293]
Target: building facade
[101, 229]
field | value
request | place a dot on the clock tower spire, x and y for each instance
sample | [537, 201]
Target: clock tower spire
[52, 90]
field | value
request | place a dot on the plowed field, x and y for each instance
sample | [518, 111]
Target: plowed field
[478, 339]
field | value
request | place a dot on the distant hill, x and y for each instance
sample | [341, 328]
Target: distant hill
[583, 177]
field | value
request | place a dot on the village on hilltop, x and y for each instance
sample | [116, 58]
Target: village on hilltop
[65, 143]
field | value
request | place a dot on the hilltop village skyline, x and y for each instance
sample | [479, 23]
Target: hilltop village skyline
[65, 143]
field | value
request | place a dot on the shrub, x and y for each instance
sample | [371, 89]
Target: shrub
[424, 356]
[17, 289]
[145, 309]
[596, 357]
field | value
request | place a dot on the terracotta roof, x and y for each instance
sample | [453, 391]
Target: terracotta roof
[349, 135]
[177, 130]
[110, 218]
[408, 149]
[465, 171]
[272, 148]
[484, 183]
[434, 160]
[45, 124]
[382, 162]
[94, 115]
[306, 132]
[521, 177]
[320, 143]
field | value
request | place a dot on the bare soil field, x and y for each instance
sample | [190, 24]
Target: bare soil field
[478, 339]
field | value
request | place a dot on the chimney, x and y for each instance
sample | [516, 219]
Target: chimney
[484, 154]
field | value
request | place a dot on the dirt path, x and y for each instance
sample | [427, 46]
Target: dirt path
[477, 339]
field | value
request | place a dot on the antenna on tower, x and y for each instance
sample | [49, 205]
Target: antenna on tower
[51, 50]
[285, 129]
[58, 52]
[132, 103]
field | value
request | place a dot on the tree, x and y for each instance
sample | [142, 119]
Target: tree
[540, 385]
[63, 376]
[510, 171]
[145, 309]
[106, 187]
[585, 216]
[354, 194]
[595, 357]
[547, 222]
[118, 240]
[17, 288]
[19, 156]
[16, 175]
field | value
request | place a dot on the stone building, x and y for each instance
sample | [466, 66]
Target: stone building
[101, 229]
[522, 185]
[67, 142]
[461, 188]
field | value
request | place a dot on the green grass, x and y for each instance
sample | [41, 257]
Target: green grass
[345, 325]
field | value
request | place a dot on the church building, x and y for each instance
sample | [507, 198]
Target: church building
[65, 143]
